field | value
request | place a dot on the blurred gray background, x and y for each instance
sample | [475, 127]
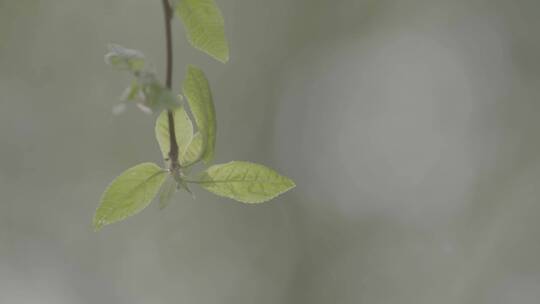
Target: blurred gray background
[409, 126]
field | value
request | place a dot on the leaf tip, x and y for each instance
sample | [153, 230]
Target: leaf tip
[97, 224]
[291, 185]
[223, 58]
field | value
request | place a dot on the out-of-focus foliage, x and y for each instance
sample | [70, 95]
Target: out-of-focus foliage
[145, 89]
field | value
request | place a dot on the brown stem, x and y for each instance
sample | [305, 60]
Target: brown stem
[173, 153]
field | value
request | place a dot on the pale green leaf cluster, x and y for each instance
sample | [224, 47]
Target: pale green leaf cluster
[193, 146]
[124, 59]
[145, 89]
[194, 130]
[204, 26]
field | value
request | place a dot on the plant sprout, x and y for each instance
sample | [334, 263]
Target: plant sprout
[183, 141]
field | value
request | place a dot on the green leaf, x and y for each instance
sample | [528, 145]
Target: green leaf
[183, 129]
[245, 182]
[124, 59]
[129, 193]
[166, 193]
[204, 26]
[199, 97]
[193, 151]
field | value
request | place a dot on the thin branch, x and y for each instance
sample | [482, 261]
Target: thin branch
[173, 153]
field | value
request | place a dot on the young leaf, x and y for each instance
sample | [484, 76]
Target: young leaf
[199, 97]
[245, 182]
[193, 151]
[166, 193]
[155, 96]
[124, 59]
[131, 93]
[183, 129]
[204, 27]
[145, 88]
[129, 193]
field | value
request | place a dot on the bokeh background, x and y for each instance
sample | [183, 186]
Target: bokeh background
[409, 126]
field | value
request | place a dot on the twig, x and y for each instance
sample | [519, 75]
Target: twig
[173, 153]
